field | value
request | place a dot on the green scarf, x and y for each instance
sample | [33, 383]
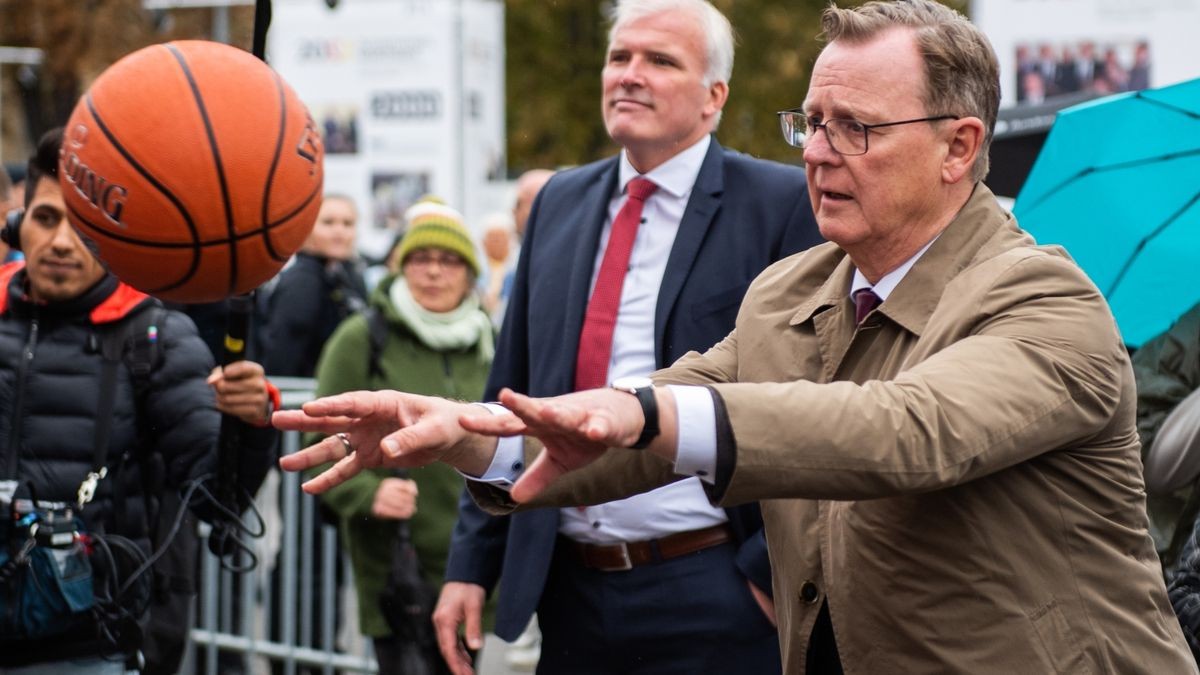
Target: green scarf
[461, 327]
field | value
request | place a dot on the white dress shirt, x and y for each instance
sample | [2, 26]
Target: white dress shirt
[681, 506]
[696, 452]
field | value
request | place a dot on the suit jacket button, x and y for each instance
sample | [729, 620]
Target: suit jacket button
[808, 593]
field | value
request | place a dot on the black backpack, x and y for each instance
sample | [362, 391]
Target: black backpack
[133, 342]
[377, 334]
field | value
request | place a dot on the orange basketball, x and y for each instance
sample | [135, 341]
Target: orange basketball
[194, 169]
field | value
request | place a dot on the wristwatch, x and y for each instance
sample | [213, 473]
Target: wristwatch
[643, 389]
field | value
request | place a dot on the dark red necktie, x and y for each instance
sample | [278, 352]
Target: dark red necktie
[865, 300]
[595, 339]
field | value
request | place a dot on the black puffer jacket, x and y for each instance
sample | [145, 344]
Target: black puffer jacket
[49, 395]
[311, 298]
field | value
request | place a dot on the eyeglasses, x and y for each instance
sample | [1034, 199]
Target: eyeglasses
[428, 259]
[846, 137]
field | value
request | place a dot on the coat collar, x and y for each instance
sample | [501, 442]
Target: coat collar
[913, 301]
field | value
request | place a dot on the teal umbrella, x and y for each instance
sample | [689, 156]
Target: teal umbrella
[1118, 185]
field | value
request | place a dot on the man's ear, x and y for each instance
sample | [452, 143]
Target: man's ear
[718, 94]
[963, 150]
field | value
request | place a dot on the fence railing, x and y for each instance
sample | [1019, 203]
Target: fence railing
[288, 612]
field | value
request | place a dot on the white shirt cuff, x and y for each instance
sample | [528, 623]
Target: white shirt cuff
[509, 461]
[696, 452]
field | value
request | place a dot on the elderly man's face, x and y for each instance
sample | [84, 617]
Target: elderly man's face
[866, 203]
[655, 103]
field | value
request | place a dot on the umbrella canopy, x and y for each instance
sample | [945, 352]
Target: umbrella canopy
[1118, 185]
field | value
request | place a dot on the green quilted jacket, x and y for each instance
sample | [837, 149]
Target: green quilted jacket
[407, 365]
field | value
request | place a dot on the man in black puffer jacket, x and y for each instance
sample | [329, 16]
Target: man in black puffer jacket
[54, 312]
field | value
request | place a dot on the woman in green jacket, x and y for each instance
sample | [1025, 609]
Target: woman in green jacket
[438, 342]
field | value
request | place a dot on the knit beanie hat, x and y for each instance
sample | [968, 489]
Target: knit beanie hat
[433, 224]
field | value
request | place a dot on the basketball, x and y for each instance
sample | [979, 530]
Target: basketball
[192, 169]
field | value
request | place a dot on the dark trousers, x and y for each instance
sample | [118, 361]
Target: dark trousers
[688, 615]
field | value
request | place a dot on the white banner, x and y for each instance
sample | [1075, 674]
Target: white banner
[1064, 47]
[409, 95]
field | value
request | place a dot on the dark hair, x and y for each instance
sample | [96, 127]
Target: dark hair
[44, 162]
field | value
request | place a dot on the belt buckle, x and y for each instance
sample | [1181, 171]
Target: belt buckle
[626, 561]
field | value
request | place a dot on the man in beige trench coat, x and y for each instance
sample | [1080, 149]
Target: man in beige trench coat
[951, 484]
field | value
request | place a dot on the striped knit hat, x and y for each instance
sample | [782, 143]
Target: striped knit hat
[433, 224]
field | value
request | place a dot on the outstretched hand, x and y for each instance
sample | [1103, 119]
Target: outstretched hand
[369, 429]
[576, 430]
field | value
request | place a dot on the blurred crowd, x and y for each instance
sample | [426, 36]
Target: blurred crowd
[1047, 71]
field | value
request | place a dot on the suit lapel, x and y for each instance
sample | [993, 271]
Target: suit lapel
[697, 217]
[593, 211]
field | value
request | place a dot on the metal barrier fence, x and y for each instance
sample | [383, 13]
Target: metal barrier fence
[254, 624]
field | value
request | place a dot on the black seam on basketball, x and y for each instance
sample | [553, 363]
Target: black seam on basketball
[266, 198]
[176, 245]
[80, 219]
[212, 142]
[187, 217]
[303, 205]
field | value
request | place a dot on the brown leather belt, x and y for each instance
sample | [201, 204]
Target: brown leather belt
[627, 555]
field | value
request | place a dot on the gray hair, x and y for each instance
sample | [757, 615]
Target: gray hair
[718, 33]
[962, 75]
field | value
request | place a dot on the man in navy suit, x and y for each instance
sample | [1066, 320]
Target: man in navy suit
[662, 582]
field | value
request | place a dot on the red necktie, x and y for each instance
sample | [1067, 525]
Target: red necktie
[865, 300]
[595, 339]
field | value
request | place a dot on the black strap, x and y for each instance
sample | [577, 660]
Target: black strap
[377, 334]
[262, 22]
[223, 541]
[132, 341]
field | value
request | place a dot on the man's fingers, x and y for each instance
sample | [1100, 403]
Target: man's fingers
[328, 450]
[403, 447]
[446, 627]
[449, 614]
[544, 471]
[254, 398]
[493, 425]
[242, 369]
[335, 475]
[474, 629]
[350, 404]
[298, 420]
[521, 405]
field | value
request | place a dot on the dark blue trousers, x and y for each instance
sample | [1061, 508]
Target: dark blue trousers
[687, 616]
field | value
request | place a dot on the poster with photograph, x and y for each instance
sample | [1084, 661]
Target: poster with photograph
[392, 194]
[409, 96]
[1043, 70]
[339, 127]
[1073, 49]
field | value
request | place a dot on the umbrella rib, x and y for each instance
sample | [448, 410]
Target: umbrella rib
[1112, 167]
[1146, 240]
[1174, 108]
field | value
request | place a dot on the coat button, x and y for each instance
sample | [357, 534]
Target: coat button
[808, 593]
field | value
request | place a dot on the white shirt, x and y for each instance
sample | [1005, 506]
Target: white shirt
[696, 453]
[681, 506]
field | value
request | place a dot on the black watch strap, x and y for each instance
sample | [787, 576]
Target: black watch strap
[649, 403]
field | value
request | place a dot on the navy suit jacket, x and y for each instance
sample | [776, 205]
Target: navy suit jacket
[743, 214]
